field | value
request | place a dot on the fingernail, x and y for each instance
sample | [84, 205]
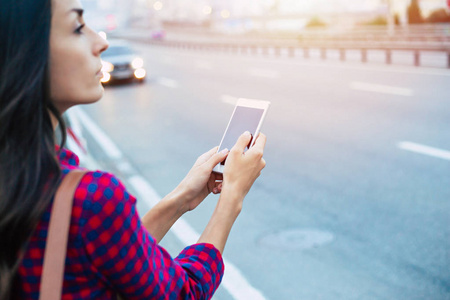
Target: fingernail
[247, 133]
[215, 190]
[224, 151]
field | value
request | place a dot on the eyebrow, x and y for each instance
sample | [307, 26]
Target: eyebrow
[79, 11]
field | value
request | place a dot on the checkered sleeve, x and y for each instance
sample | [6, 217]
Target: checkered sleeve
[128, 258]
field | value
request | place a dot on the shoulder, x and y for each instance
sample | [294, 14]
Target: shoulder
[105, 213]
[67, 158]
[102, 207]
[101, 195]
[101, 186]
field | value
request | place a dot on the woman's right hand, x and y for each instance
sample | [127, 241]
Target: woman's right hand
[242, 169]
[240, 172]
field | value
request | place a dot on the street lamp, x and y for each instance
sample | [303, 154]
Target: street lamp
[157, 5]
[207, 10]
[225, 14]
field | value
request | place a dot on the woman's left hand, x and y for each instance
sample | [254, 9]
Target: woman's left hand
[201, 180]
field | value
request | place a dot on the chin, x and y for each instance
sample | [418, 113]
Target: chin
[94, 96]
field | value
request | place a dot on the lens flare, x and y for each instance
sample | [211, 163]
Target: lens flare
[106, 77]
[137, 63]
[140, 73]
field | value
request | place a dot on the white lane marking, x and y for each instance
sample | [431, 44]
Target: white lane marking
[236, 284]
[204, 65]
[170, 83]
[85, 159]
[233, 281]
[146, 192]
[423, 149]
[102, 138]
[229, 99]
[383, 89]
[264, 73]
[125, 167]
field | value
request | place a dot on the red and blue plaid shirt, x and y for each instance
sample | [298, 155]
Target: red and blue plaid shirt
[110, 252]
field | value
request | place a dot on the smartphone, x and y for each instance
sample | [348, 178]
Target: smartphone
[248, 115]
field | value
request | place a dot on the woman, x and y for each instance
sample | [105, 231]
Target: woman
[49, 62]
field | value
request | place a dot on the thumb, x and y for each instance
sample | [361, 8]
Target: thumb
[217, 158]
[243, 141]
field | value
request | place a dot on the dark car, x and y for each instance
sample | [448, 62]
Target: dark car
[121, 62]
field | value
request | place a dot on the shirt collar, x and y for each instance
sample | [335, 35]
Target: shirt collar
[67, 157]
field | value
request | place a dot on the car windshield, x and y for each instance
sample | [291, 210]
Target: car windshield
[117, 50]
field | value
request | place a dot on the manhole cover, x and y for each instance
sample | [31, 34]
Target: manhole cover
[296, 239]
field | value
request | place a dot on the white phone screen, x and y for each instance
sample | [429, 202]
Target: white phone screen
[243, 119]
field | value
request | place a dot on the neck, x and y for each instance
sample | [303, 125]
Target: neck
[54, 121]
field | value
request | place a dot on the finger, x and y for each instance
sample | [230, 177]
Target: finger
[242, 142]
[216, 158]
[217, 189]
[260, 143]
[206, 156]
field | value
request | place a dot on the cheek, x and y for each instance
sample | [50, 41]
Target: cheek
[62, 73]
[71, 81]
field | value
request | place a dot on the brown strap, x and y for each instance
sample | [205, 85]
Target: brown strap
[57, 236]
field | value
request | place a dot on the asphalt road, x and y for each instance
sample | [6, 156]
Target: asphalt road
[351, 205]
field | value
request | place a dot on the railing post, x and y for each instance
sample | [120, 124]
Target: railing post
[388, 56]
[364, 55]
[417, 58]
[323, 53]
[342, 54]
[291, 51]
[277, 50]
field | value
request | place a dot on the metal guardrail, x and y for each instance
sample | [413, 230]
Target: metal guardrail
[416, 39]
[435, 33]
[292, 49]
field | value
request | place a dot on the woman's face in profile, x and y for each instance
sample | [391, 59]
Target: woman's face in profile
[75, 65]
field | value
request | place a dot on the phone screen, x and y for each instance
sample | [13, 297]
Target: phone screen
[243, 119]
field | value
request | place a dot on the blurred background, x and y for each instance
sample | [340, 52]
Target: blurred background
[354, 202]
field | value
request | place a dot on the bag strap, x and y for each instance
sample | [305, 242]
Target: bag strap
[57, 237]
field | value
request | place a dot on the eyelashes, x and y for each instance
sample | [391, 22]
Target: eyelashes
[78, 30]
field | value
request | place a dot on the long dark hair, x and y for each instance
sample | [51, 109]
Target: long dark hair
[29, 170]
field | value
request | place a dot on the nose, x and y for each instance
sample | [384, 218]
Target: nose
[101, 44]
[104, 44]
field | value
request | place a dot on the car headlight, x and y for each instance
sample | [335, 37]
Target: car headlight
[106, 77]
[139, 73]
[137, 63]
[107, 66]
